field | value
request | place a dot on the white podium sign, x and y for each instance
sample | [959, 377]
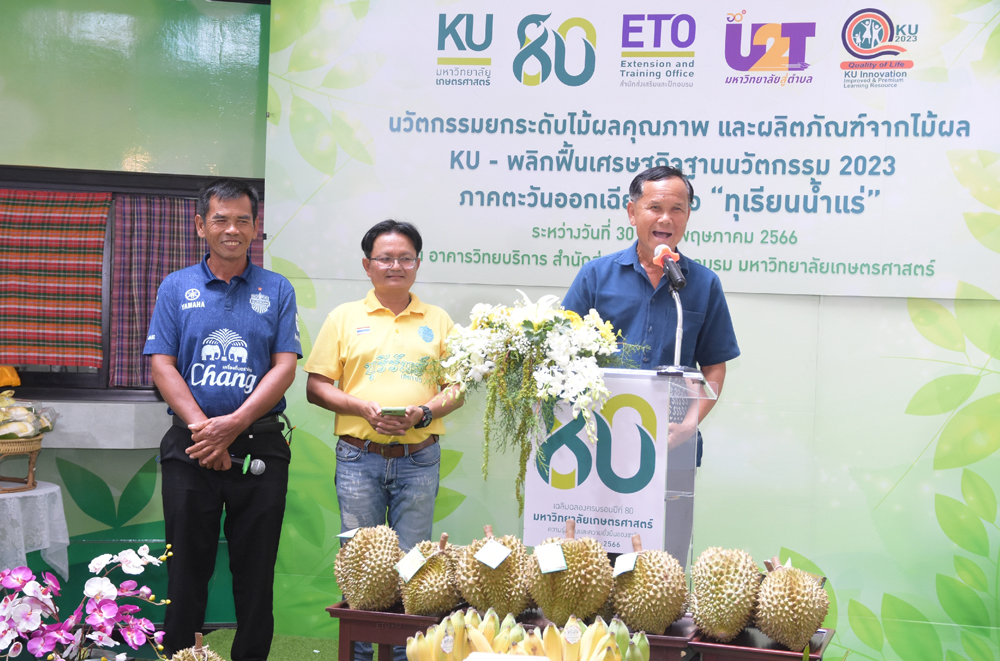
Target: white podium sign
[613, 488]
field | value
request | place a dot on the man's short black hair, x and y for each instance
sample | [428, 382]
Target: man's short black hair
[391, 226]
[226, 189]
[658, 173]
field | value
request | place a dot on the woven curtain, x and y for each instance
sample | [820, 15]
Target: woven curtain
[154, 236]
[51, 251]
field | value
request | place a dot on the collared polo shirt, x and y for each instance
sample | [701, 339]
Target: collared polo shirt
[618, 287]
[223, 333]
[376, 355]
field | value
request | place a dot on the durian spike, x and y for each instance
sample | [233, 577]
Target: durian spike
[488, 532]
[570, 528]
[637, 543]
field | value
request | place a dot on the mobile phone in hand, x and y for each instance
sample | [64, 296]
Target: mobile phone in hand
[393, 410]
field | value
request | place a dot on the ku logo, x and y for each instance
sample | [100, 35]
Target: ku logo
[867, 34]
[567, 436]
[224, 345]
[449, 30]
[534, 49]
[773, 46]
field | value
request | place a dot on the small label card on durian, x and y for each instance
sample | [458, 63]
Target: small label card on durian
[492, 554]
[550, 558]
[410, 564]
[349, 534]
[625, 563]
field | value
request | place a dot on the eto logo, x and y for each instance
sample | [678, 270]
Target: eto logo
[533, 51]
[773, 46]
[566, 436]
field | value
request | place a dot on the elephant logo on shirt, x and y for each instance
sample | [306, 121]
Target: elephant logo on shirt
[210, 352]
[226, 345]
[238, 354]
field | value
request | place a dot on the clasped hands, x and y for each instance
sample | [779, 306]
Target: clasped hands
[390, 425]
[212, 438]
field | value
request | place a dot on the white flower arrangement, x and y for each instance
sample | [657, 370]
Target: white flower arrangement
[530, 356]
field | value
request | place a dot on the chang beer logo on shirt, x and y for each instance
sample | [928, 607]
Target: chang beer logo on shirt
[223, 362]
[567, 436]
[533, 51]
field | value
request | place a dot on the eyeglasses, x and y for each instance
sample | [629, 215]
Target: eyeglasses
[387, 262]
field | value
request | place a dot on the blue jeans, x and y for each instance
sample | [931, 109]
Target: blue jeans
[372, 490]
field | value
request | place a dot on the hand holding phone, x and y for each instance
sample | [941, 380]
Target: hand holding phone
[393, 410]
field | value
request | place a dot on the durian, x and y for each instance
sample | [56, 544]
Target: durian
[725, 592]
[650, 597]
[791, 606]
[197, 653]
[505, 589]
[582, 589]
[433, 589]
[365, 569]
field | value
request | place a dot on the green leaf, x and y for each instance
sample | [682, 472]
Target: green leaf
[337, 30]
[447, 502]
[273, 106]
[353, 137]
[805, 653]
[305, 292]
[977, 648]
[986, 228]
[909, 633]
[808, 565]
[138, 492]
[943, 394]
[978, 314]
[961, 525]
[284, 25]
[304, 339]
[865, 625]
[953, 656]
[979, 496]
[313, 136]
[936, 323]
[353, 70]
[449, 459]
[305, 517]
[961, 603]
[987, 69]
[88, 491]
[971, 573]
[982, 180]
[971, 435]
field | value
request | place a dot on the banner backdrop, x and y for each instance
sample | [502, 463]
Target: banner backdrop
[509, 132]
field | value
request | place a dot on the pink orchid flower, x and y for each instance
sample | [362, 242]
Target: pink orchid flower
[15, 649]
[102, 613]
[102, 639]
[52, 582]
[16, 578]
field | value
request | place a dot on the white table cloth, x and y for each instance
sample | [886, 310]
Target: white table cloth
[33, 521]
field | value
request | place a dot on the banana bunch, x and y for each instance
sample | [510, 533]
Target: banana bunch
[461, 634]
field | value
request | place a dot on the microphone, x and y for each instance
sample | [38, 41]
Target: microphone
[255, 466]
[667, 258]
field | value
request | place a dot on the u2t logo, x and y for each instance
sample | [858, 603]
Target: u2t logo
[534, 49]
[773, 46]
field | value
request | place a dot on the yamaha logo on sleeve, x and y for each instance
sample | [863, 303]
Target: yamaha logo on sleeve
[192, 294]
[260, 302]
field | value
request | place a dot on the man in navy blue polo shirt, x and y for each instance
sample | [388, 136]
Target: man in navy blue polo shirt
[224, 345]
[628, 289]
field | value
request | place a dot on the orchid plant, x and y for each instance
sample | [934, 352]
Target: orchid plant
[530, 356]
[28, 613]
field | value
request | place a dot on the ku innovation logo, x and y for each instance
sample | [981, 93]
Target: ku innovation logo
[567, 436]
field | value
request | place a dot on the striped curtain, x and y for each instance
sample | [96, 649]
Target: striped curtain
[154, 236]
[51, 251]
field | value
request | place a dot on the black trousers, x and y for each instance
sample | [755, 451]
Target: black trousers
[193, 502]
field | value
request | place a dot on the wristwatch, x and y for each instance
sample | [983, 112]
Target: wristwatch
[426, 420]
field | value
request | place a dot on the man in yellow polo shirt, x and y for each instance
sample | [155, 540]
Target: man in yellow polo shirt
[370, 356]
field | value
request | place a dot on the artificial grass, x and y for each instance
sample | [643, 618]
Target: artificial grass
[283, 648]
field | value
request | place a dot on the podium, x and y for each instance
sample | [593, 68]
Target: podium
[639, 475]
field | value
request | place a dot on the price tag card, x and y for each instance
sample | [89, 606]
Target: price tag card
[550, 558]
[625, 563]
[448, 644]
[572, 634]
[492, 554]
[349, 534]
[410, 564]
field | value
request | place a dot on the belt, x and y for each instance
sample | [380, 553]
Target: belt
[269, 423]
[390, 450]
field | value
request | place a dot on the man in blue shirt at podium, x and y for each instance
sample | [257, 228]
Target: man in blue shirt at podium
[629, 289]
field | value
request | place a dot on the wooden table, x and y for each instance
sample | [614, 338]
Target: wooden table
[384, 628]
[752, 645]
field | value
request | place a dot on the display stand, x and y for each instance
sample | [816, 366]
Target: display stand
[382, 628]
[752, 645]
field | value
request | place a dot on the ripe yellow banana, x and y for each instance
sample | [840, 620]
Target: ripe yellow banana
[490, 625]
[517, 634]
[608, 654]
[533, 643]
[552, 643]
[472, 617]
[422, 645]
[594, 633]
[443, 650]
[571, 637]
[501, 644]
[459, 652]
[477, 641]
[517, 649]
[411, 652]
[606, 641]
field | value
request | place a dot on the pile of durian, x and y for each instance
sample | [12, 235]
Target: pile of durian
[728, 593]
[23, 419]
[464, 633]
